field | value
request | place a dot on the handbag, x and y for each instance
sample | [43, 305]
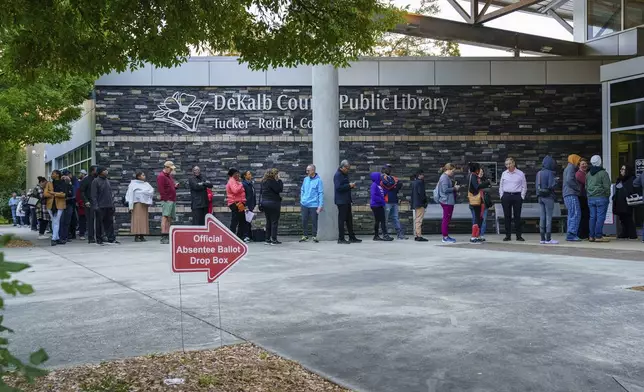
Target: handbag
[635, 200]
[33, 201]
[475, 200]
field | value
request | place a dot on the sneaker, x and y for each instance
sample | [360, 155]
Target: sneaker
[574, 238]
[421, 239]
[164, 240]
[542, 242]
[275, 242]
[315, 239]
[520, 239]
[343, 241]
[113, 242]
[507, 238]
[143, 239]
[304, 238]
[355, 240]
[43, 237]
[482, 239]
[91, 241]
[602, 239]
[474, 240]
[387, 238]
[552, 242]
[377, 238]
[247, 240]
[403, 237]
[82, 238]
[268, 242]
[54, 243]
[137, 238]
[101, 243]
[448, 240]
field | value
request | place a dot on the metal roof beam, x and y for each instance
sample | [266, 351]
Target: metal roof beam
[442, 29]
[506, 10]
[553, 5]
[460, 10]
[560, 20]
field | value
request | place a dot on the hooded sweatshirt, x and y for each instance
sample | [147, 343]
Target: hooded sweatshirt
[391, 186]
[312, 192]
[570, 185]
[546, 177]
[597, 180]
[377, 193]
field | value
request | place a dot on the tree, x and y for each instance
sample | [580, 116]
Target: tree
[98, 36]
[398, 45]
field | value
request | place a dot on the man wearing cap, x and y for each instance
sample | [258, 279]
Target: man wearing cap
[103, 203]
[391, 185]
[86, 195]
[168, 195]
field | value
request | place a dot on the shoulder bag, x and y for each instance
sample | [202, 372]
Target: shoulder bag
[475, 200]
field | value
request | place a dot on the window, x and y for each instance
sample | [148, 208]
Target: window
[76, 160]
[604, 17]
[634, 13]
[627, 90]
[627, 115]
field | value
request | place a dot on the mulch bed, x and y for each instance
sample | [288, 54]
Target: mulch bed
[242, 367]
[18, 243]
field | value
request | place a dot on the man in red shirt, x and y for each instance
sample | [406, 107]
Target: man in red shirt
[168, 194]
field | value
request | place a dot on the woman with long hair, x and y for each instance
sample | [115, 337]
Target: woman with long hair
[236, 200]
[476, 184]
[446, 197]
[251, 200]
[41, 208]
[139, 198]
[271, 203]
[55, 194]
[624, 188]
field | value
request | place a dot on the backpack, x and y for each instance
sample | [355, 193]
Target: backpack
[436, 193]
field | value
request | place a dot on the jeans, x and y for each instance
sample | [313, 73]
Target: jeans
[272, 212]
[479, 218]
[419, 215]
[14, 216]
[65, 222]
[448, 210]
[391, 215]
[574, 214]
[105, 224]
[379, 220]
[512, 204]
[55, 224]
[547, 205]
[312, 214]
[598, 208]
[345, 216]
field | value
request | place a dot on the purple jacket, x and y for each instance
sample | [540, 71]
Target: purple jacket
[377, 193]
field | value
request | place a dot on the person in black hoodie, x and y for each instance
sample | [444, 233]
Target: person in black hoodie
[475, 187]
[418, 204]
[271, 203]
[624, 188]
[86, 195]
[199, 196]
[251, 200]
[103, 203]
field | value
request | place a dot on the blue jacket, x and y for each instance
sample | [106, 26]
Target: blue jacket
[391, 186]
[570, 185]
[446, 190]
[312, 192]
[342, 189]
[376, 192]
[13, 201]
[546, 178]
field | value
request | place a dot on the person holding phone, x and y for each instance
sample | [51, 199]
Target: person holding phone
[343, 200]
[271, 201]
[447, 189]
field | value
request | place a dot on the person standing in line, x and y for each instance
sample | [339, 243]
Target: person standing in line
[199, 196]
[477, 206]
[598, 189]
[343, 200]
[584, 220]
[42, 215]
[512, 189]
[391, 186]
[447, 199]
[484, 206]
[55, 194]
[236, 200]
[103, 202]
[82, 218]
[571, 192]
[419, 204]
[377, 204]
[73, 219]
[139, 198]
[13, 204]
[311, 203]
[20, 211]
[638, 184]
[251, 202]
[90, 213]
[623, 189]
[33, 219]
[271, 203]
[167, 188]
[66, 219]
[545, 182]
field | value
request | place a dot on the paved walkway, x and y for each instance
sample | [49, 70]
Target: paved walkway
[400, 316]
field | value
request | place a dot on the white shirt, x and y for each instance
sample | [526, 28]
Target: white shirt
[513, 182]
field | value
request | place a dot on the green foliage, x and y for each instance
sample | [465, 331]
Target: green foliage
[12, 175]
[398, 45]
[97, 36]
[207, 380]
[9, 364]
[105, 384]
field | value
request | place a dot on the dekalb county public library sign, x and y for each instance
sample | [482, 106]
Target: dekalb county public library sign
[185, 111]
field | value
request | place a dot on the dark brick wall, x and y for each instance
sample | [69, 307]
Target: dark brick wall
[483, 124]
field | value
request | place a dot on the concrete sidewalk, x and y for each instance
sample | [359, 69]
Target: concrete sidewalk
[401, 316]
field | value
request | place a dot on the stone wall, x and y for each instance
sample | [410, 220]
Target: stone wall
[482, 123]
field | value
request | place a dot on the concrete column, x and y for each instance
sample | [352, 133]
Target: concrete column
[35, 164]
[326, 143]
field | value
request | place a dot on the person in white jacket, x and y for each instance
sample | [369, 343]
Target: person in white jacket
[139, 197]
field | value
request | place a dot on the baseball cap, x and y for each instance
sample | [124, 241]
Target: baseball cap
[170, 165]
[83, 171]
[65, 172]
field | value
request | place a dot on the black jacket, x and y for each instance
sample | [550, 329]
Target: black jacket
[86, 188]
[102, 193]
[271, 190]
[198, 192]
[342, 188]
[475, 186]
[418, 194]
[251, 199]
[621, 193]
